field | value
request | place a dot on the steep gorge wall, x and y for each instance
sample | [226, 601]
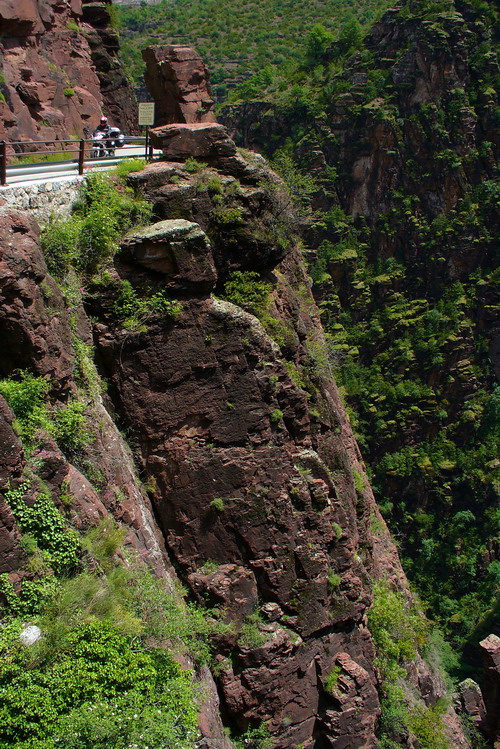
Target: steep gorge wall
[59, 70]
[257, 491]
[257, 485]
[402, 144]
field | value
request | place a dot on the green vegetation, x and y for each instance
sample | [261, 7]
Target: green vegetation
[217, 504]
[44, 156]
[276, 416]
[254, 738]
[27, 395]
[127, 166]
[58, 543]
[90, 237]
[251, 635]
[236, 38]
[333, 580]
[337, 529]
[247, 290]
[134, 311]
[69, 92]
[101, 671]
[193, 166]
[399, 632]
[332, 680]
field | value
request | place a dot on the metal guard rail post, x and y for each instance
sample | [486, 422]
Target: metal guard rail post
[3, 163]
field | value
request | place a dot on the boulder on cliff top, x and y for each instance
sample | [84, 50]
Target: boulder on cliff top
[179, 83]
[208, 141]
[200, 140]
[178, 249]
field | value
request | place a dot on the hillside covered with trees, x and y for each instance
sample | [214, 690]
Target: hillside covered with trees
[236, 39]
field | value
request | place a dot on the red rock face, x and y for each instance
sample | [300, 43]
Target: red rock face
[52, 89]
[32, 336]
[255, 472]
[490, 649]
[178, 80]
[257, 500]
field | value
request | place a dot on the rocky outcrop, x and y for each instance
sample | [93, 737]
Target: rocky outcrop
[59, 72]
[177, 249]
[471, 702]
[117, 93]
[490, 650]
[402, 149]
[261, 493]
[248, 483]
[178, 80]
[207, 141]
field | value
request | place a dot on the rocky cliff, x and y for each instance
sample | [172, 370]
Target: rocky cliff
[401, 142]
[252, 486]
[59, 71]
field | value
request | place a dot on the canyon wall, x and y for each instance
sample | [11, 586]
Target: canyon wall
[257, 494]
[241, 477]
[400, 139]
[59, 71]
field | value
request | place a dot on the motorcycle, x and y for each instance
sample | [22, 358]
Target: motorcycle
[104, 143]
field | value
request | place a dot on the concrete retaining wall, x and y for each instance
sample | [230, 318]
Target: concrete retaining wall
[43, 199]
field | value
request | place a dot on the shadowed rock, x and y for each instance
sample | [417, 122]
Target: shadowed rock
[177, 248]
[207, 141]
[490, 649]
[471, 700]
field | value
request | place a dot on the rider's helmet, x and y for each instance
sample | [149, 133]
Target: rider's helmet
[104, 120]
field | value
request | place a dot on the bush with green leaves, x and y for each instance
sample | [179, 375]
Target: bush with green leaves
[89, 239]
[27, 395]
[246, 289]
[70, 427]
[134, 310]
[45, 524]
[399, 632]
[97, 690]
[103, 673]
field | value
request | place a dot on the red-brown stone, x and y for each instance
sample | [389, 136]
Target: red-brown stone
[59, 74]
[178, 81]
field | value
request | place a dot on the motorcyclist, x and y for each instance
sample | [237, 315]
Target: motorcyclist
[106, 139]
[103, 126]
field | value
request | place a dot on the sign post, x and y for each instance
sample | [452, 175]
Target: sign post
[147, 118]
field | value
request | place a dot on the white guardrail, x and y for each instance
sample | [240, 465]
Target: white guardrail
[80, 159]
